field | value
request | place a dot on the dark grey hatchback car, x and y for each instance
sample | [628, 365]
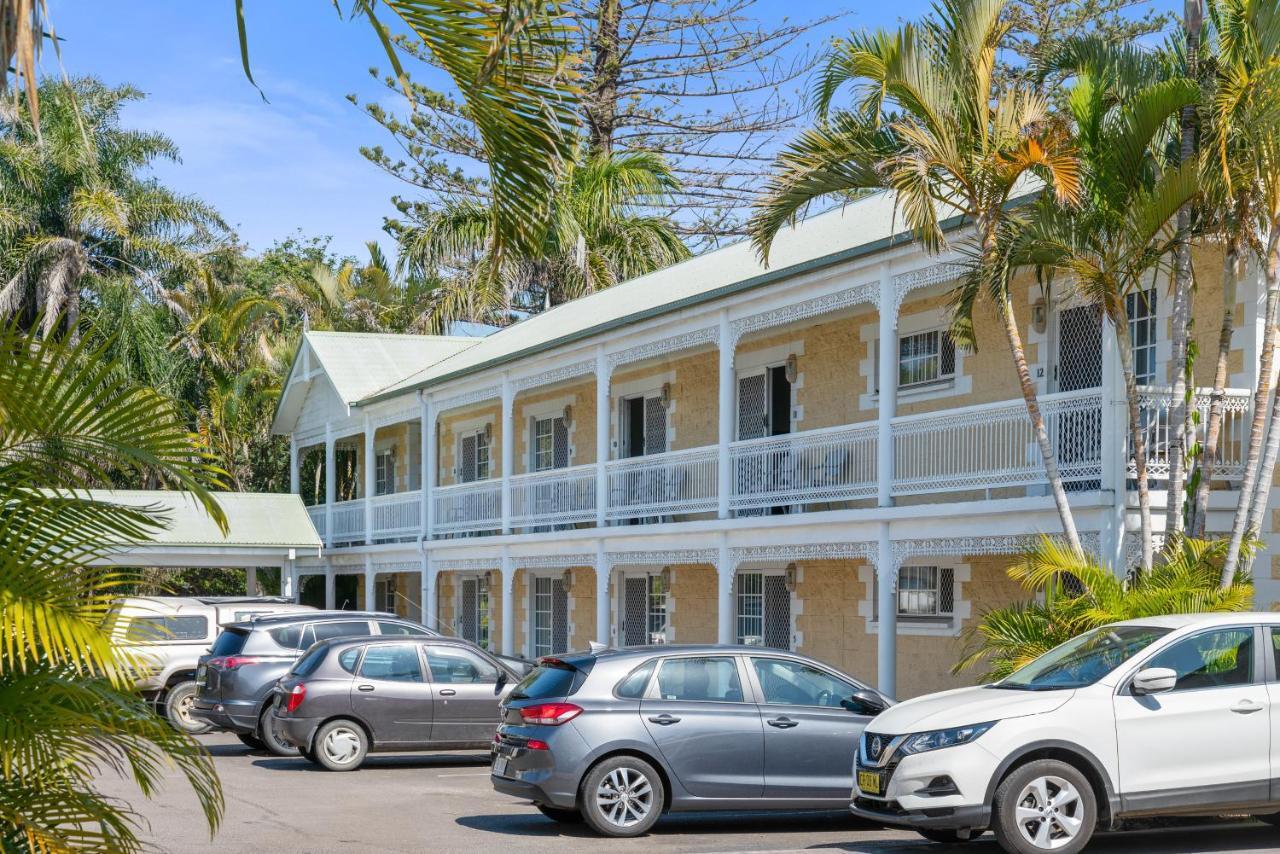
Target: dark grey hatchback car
[348, 697]
[616, 737]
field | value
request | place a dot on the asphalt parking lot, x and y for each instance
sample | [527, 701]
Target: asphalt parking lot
[443, 803]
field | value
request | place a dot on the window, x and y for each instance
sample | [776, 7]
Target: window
[791, 683]
[323, 631]
[473, 457]
[392, 662]
[549, 444]
[384, 595]
[1214, 659]
[286, 637]
[473, 610]
[657, 609]
[632, 688]
[167, 629]
[231, 641]
[451, 665]
[925, 357]
[309, 663]
[925, 591]
[700, 679]
[1141, 309]
[400, 629]
[1083, 660]
[550, 624]
[549, 680]
[384, 472]
[764, 610]
[347, 660]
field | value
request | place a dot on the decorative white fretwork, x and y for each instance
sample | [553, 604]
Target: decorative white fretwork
[904, 550]
[396, 417]
[555, 375]
[660, 558]
[397, 566]
[663, 346]
[934, 274]
[803, 551]
[466, 563]
[553, 561]
[468, 397]
[866, 292]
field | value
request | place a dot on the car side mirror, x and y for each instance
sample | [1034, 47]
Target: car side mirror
[865, 702]
[1154, 680]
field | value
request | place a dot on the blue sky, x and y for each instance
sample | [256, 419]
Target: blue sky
[291, 163]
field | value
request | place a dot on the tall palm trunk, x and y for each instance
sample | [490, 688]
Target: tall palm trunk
[1253, 474]
[1125, 345]
[1217, 399]
[1182, 295]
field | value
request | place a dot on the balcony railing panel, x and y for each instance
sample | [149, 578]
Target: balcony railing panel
[397, 515]
[468, 507]
[658, 485]
[1233, 436]
[557, 496]
[993, 445]
[832, 464]
[319, 515]
[348, 521]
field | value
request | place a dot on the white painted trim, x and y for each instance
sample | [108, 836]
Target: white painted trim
[961, 608]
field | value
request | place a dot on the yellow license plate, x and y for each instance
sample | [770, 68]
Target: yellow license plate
[869, 782]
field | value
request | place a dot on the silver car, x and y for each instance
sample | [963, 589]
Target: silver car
[615, 737]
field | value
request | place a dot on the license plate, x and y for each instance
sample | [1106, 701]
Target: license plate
[202, 673]
[869, 782]
[500, 766]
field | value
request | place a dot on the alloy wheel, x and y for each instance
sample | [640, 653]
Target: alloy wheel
[624, 797]
[1049, 812]
[341, 745]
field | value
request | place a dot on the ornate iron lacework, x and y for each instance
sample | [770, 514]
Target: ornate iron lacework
[805, 551]
[934, 274]
[468, 397]
[397, 566]
[966, 546]
[660, 558]
[663, 346]
[459, 563]
[866, 292]
[396, 417]
[555, 375]
[553, 561]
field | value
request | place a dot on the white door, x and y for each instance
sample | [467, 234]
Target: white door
[1208, 739]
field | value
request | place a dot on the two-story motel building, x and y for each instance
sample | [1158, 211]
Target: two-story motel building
[719, 451]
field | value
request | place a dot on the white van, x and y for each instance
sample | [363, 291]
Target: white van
[1160, 716]
[166, 635]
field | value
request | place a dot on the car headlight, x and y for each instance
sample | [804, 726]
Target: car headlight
[922, 742]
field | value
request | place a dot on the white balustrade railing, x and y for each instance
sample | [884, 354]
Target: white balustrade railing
[830, 464]
[658, 485]
[993, 445]
[319, 514]
[466, 507]
[348, 521]
[397, 515]
[1233, 435]
[554, 497]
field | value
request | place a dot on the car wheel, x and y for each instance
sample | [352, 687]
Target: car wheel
[1044, 805]
[178, 702]
[340, 745]
[622, 796]
[251, 741]
[273, 738]
[564, 816]
[949, 837]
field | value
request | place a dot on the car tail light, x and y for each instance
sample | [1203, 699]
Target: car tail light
[295, 698]
[232, 662]
[537, 744]
[550, 714]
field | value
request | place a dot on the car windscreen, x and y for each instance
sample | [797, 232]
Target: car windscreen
[548, 680]
[309, 662]
[1083, 660]
[230, 642]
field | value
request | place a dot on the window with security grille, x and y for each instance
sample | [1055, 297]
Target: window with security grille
[550, 608]
[764, 610]
[1140, 306]
[657, 610]
[473, 457]
[925, 357]
[925, 594]
[384, 472]
[549, 444]
[384, 592]
[473, 611]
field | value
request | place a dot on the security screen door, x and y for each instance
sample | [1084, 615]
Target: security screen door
[764, 610]
[550, 616]
[644, 610]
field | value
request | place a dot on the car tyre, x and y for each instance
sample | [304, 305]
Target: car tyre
[272, 739]
[1045, 805]
[251, 741]
[949, 837]
[622, 796]
[178, 702]
[340, 745]
[564, 816]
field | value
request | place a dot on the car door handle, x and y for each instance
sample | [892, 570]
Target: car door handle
[783, 722]
[365, 688]
[664, 720]
[447, 692]
[1246, 707]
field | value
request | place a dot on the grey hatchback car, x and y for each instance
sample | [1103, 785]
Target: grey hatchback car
[348, 697]
[616, 737]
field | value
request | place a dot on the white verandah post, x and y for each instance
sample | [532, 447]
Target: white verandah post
[886, 566]
[508, 604]
[508, 455]
[330, 483]
[602, 436]
[725, 569]
[724, 480]
[602, 594]
[370, 479]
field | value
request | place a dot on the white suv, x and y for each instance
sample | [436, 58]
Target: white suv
[1158, 716]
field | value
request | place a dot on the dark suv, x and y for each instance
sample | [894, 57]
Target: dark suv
[235, 680]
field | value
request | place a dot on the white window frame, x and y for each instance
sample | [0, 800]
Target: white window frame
[619, 604]
[384, 594]
[482, 444]
[739, 595]
[535, 648]
[384, 471]
[1143, 300]
[955, 384]
[945, 625]
[484, 607]
[937, 337]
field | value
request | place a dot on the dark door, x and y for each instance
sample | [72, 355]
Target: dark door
[710, 737]
[779, 402]
[390, 694]
[465, 685]
[633, 410]
[809, 737]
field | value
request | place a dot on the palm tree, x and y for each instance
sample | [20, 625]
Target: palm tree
[74, 210]
[70, 421]
[1112, 244]
[23, 29]
[929, 125]
[1184, 581]
[597, 238]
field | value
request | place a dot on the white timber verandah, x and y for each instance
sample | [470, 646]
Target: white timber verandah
[889, 488]
[264, 530]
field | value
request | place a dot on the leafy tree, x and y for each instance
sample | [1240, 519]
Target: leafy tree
[1080, 594]
[69, 421]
